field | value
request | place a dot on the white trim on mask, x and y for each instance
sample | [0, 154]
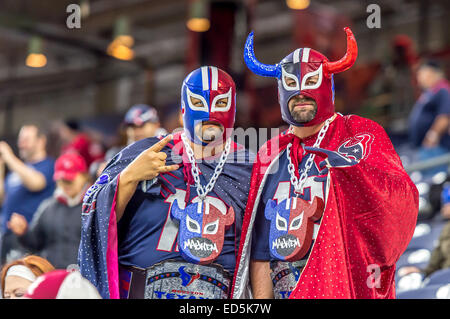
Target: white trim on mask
[214, 231]
[310, 74]
[205, 79]
[189, 220]
[296, 57]
[283, 220]
[305, 55]
[189, 94]
[292, 76]
[214, 78]
[218, 97]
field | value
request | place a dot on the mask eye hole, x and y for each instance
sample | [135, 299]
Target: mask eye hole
[290, 82]
[211, 228]
[296, 222]
[281, 223]
[312, 80]
[192, 225]
[222, 102]
[196, 102]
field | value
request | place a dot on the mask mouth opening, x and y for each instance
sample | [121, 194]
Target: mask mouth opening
[302, 108]
[209, 131]
[201, 247]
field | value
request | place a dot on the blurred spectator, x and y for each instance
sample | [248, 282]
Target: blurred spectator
[26, 186]
[429, 119]
[142, 121]
[75, 140]
[62, 284]
[392, 91]
[97, 167]
[445, 211]
[18, 275]
[401, 74]
[440, 257]
[56, 227]
[445, 200]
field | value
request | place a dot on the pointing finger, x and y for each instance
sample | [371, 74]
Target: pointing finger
[160, 145]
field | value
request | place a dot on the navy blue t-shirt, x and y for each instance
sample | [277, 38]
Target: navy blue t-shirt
[427, 108]
[278, 187]
[147, 234]
[18, 199]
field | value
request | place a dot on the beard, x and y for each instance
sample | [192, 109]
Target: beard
[302, 114]
[209, 133]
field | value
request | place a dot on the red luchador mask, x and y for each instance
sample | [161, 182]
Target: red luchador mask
[294, 74]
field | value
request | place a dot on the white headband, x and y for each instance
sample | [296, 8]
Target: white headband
[21, 271]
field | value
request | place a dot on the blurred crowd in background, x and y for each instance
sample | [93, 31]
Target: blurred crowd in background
[42, 197]
[46, 167]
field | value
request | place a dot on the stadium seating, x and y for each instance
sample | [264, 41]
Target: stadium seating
[438, 277]
[441, 291]
[426, 236]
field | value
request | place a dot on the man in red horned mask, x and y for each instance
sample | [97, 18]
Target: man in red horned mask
[330, 208]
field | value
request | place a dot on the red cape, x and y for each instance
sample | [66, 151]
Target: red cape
[369, 218]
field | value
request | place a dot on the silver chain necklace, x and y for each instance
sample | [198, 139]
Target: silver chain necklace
[298, 184]
[203, 191]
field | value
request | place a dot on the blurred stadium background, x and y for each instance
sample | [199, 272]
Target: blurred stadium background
[139, 51]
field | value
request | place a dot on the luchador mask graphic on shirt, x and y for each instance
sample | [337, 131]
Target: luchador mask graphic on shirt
[292, 226]
[202, 228]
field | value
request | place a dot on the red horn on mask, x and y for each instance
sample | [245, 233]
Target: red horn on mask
[347, 60]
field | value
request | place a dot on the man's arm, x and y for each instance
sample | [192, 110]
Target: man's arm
[262, 287]
[148, 165]
[437, 130]
[125, 190]
[31, 178]
[440, 126]
[32, 237]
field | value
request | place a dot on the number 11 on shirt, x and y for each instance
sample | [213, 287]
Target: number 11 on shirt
[170, 229]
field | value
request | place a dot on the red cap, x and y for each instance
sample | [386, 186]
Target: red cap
[62, 284]
[68, 165]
